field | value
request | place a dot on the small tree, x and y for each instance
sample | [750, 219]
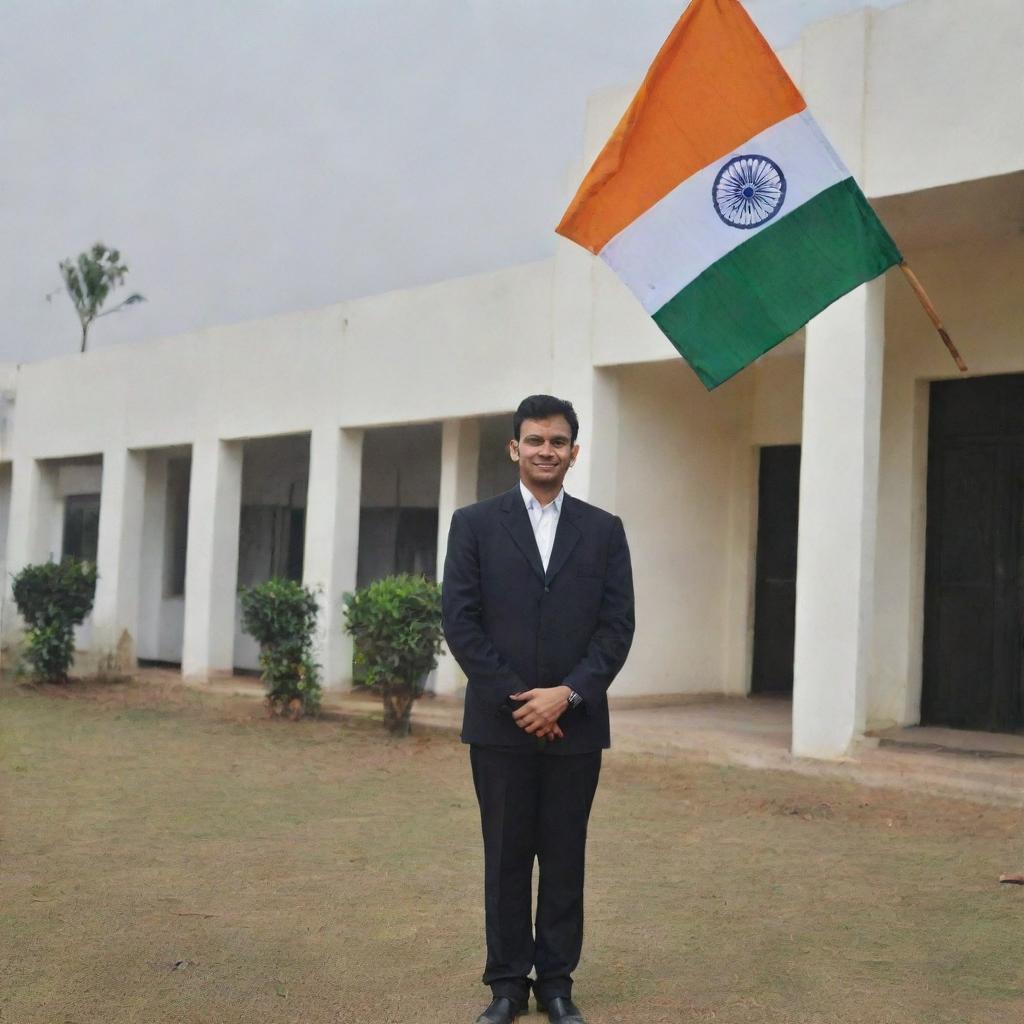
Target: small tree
[281, 615]
[53, 598]
[89, 279]
[395, 624]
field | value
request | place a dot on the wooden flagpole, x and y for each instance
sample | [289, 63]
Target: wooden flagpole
[922, 296]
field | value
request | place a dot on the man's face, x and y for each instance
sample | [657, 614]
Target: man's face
[545, 452]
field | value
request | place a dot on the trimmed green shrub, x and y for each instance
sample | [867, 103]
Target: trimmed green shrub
[281, 615]
[395, 624]
[53, 598]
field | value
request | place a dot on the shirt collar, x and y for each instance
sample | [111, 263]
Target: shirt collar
[532, 502]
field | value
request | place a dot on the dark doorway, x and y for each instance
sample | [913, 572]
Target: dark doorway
[778, 505]
[393, 540]
[974, 580]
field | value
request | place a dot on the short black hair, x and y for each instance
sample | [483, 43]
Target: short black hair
[543, 407]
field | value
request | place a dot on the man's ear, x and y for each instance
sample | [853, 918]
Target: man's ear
[574, 454]
[513, 450]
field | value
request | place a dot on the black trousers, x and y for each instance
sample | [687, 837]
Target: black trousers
[533, 805]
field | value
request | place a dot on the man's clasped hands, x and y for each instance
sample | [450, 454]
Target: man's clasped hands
[544, 706]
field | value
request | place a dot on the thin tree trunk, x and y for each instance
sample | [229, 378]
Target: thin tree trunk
[398, 710]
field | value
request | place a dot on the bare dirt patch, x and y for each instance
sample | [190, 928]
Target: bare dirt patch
[173, 856]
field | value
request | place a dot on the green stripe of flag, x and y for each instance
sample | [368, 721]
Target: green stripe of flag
[764, 290]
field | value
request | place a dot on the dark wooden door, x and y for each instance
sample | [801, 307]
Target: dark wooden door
[775, 583]
[974, 577]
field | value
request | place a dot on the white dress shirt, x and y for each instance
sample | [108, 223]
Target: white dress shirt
[545, 521]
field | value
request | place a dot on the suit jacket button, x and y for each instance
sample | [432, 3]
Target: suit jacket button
[547, 590]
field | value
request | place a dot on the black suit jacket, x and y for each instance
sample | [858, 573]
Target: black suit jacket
[513, 627]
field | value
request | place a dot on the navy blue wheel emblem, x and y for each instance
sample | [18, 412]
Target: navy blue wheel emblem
[748, 191]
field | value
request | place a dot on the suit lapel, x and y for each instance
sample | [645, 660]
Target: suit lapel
[516, 520]
[567, 536]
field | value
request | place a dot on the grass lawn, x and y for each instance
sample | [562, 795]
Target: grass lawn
[167, 856]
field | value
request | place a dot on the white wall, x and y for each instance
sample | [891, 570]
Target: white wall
[685, 470]
[914, 96]
[936, 72]
[979, 288]
[777, 416]
[8, 398]
[467, 347]
[944, 97]
[79, 478]
[275, 471]
[402, 467]
[161, 620]
[918, 95]
[678, 449]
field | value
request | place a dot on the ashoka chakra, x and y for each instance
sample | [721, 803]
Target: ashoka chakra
[748, 191]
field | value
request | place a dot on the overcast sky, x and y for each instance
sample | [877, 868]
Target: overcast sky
[252, 157]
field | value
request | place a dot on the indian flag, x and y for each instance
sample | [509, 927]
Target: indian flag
[719, 201]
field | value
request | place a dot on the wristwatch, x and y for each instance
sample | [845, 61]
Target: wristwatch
[574, 699]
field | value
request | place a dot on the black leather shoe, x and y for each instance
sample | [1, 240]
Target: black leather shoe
[562, 1011]
[501, 1011]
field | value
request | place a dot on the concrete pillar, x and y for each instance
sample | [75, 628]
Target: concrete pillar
[154, 556]
[5, 515]
[594, 478]
[118, 558]
[30, 528]
[838, 513]
[460, 457]
[332, 542]
[211, 562]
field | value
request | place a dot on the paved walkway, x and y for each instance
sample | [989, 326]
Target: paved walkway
[751, 732]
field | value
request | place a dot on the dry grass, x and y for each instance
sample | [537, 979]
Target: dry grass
[171, 857]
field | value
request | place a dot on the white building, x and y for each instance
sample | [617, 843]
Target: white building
[335, 444]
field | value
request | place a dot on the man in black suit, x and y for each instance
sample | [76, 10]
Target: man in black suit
[538, 611]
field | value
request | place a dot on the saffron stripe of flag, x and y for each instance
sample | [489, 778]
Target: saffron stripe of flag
[720, 203]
